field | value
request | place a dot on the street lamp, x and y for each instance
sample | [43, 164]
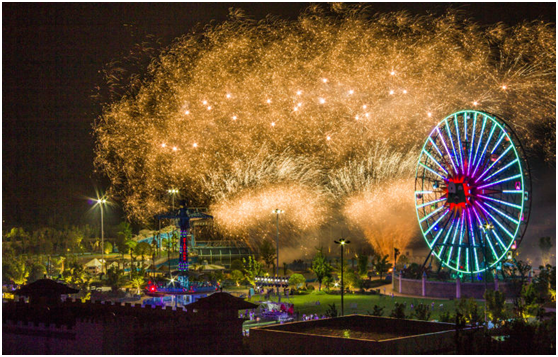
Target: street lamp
[101, 202]
[342, 242]
[172, 192]
[277, 212]
[486, 228]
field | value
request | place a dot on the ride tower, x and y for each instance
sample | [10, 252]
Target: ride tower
[183, 217]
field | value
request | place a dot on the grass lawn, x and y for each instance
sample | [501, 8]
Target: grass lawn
[361, 304]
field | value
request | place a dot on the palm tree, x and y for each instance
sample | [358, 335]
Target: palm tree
[137, 282]
[19, 272]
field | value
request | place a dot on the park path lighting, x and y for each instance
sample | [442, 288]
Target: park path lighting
[277, 212]
[342, 242]
[101, 202]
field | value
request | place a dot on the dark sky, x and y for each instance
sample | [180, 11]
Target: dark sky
[52, 56]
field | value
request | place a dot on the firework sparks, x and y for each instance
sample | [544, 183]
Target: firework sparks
[250, 116]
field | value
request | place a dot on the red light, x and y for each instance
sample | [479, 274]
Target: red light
[152, 288]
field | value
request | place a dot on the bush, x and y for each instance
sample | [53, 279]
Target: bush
[446, 317]
[398, 311]
[331, 311]
[310, 288]
[376, 310]
[422, 312]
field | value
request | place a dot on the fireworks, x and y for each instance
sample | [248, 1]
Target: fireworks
[315, 116]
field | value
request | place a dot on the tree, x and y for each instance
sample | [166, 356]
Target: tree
[297, 281]
[545, 245]
[362, 264]
[495, 305]
[468, 309]
[422, 312]
[108, 247]
[320, 267]
[382, 265]
[237, 265]
[37, 272]
[18, 271]
[143, 249]
[237, 277]
[138, 282]
[115, 278]
[77, 276]
[252, 268]
[268, 253]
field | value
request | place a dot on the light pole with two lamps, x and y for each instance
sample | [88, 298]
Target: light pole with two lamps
[101, 202]
[342, 242]
[277, 212]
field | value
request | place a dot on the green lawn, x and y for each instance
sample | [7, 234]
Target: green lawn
[361, 304]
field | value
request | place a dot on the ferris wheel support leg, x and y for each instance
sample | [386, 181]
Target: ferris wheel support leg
[429, 256]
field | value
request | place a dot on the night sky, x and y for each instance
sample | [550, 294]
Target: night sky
[53, 55]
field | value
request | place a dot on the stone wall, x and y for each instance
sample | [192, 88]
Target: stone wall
[456, 289]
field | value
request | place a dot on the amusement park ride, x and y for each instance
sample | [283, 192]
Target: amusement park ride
[183, 218]
[472, 192]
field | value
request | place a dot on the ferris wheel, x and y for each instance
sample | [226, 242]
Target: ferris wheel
[472, 191]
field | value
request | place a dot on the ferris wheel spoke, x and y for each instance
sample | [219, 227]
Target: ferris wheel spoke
[501, 202]
[480, 141]
[431, 214]
[431, 170]
[477, 165]
[500, 181]
[427, 203]
[453, 241]
[502, 135]
[446, 238]
[452, 145]
[501, 170]
[436, 161]
[438, 220]
[501, 213]
[460, 243]
[459, 142]
[447, 150]
[495, 220]
[436, 147]
[472, 142]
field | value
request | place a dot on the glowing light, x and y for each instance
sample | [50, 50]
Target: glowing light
[404, 91]
[195, 145]
[209, 107]
[324, 80]
[504, 87]
[163, 145]
[429, 114]
[228, 95]
[321, 100]
[204, 102]
[272, 123]
[268, 101]
[328, 137]
[475, 103]
[187, 112]
[391, 92]
[174, 148]
[234, 117]
[298, 92]
[351, 91]
[392, 73]
[364, 106]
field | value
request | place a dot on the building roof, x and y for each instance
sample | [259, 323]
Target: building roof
[45, 287]
[221, 301]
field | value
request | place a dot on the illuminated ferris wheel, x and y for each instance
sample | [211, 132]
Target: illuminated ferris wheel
[472, 191]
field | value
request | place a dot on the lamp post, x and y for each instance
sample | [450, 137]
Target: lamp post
[102, 201]
[486, 229]
[277, 212]
[395, 254]
[342, 242]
